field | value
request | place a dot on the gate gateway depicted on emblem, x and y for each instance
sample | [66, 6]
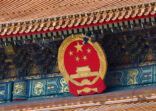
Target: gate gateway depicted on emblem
[82, 65]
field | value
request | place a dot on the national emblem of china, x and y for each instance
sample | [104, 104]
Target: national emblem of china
[82, 65]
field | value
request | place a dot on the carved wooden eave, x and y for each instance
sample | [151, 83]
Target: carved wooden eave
[140, 99]
[74, 21]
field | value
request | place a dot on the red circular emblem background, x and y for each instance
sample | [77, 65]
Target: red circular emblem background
[88, 56]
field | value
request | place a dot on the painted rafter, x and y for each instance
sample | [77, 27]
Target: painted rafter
[76, 20]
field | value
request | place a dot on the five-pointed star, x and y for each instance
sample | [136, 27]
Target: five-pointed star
[77, 58]
[70, 53]
[84, 58]
[78, 47]
[88, 50]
